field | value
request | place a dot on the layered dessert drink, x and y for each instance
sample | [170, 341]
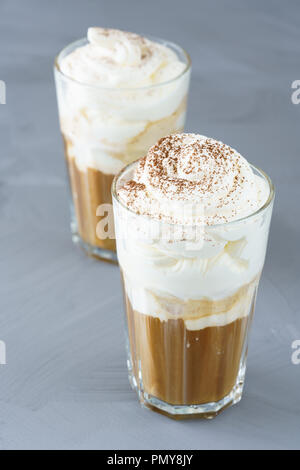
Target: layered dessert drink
[118, 93]
[192, 220]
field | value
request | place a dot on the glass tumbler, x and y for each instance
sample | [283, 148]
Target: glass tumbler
[189, 299]
[103, 130]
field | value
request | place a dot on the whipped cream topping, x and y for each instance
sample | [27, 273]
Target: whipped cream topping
[114, 58]
[193, 179]
[119, 97]
[166, 274]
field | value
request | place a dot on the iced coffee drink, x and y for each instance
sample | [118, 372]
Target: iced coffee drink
[192, 220]
[118, 93]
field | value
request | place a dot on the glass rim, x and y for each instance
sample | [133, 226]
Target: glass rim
[166, 42]
[261, 209]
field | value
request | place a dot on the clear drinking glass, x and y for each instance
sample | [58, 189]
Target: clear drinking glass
[187, 354]
[103, 130]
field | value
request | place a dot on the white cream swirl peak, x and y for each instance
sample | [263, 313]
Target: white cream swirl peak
[119, 59]
[192, 220]
[118, 93]
[194, 169]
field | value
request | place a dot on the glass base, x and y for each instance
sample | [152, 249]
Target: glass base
[91, 250]
[204, 410]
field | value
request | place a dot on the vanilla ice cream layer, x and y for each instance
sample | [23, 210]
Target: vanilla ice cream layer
[97, 145]
[192, 312]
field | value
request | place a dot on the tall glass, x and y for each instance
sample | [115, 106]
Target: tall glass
[103, 130]
[190, 296]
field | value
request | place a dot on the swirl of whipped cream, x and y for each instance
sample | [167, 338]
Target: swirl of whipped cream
[182, 170]
[121, 59]
[120, 47]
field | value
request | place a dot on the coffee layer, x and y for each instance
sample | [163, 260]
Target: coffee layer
[90, 189]
[186, 367]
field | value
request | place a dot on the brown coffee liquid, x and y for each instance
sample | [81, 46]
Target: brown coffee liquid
[185, 367]
[90, 189]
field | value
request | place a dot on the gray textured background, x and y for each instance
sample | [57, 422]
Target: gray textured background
[65, 383]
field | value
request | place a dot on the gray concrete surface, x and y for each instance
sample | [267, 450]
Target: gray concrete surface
[65, 382]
